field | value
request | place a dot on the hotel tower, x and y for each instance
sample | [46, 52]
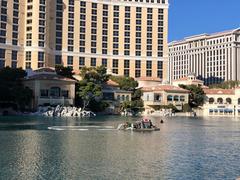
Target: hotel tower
[129, 37]
[214, 58]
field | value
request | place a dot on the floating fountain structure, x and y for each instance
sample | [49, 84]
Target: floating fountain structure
[61, 111]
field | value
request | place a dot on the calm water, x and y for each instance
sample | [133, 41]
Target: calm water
[185, 148]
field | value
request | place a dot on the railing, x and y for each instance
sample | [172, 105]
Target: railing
[55, 101]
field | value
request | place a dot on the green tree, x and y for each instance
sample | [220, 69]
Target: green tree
[129, 84]
[125, 83]
[125, 106]
[88, 91]
[187, 108]
[196, 95]
[64, 71]
[226, 85]
[11, 87]
[96, 75]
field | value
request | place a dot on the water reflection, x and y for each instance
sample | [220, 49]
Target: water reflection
[183, 149]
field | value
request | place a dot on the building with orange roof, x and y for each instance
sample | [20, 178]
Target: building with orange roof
[114, 96]
[161, 95]
[222, 102]
[190, 79]
[49, 88]
[148, 81]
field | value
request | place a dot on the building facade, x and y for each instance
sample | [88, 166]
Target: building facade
[190, 79]
[128, 37]
[162, 95]
[49, 88]
[222, 102]
[214, 58]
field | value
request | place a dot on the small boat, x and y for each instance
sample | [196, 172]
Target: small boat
[139, 126]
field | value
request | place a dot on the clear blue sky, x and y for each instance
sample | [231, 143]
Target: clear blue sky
[191, 17]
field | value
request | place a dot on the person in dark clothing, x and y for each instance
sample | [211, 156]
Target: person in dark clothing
[151, 124]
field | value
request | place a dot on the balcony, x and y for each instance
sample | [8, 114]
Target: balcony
[55, 101]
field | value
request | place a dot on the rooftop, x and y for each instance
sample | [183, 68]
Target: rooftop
[220, 91]
[148, 79]
[46, 73]
[204, 36]
[162, 87]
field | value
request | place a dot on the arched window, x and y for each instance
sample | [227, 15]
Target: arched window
[239, 101]
[55, 91]
[220, 100]
[118, 97]
[182, 98]
[127, 97]
[176, 98]
[123, 98]
[211, 100]
[170, 98]
[229, 100]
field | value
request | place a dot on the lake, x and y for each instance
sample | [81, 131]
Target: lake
[74, 148]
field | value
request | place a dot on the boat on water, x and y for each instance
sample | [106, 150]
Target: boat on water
[139, 126]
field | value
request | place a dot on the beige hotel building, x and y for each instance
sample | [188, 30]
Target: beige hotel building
[212, 57]
[129, 37]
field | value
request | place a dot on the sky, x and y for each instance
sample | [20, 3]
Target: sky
[192, 17]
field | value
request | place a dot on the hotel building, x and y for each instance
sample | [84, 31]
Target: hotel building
[212, 57]
[129, 37]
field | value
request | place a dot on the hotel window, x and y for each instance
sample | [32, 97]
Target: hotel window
[81, 62]
[126, 72]
[126, 63]
[41, 58]
[160, 32]
[14, 59]
[149, 64]
[115, 30]
[149, 73]
[138, 31]
[59, 21]
[42, 19]
[115, 63]
[15, 23]
[104, 62]
[127, 31]
[138, 64]
[58, 59]
[70, 62]
[82, 26]
[137, 73]
[28, 56]
[115, 71]
[93, 62]
[71, 25]
[94, 28]
[2, 58]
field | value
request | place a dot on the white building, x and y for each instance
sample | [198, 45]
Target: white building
[191, 79]
[212, 57]
[222, 102]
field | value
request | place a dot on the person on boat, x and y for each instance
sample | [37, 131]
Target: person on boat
[142, 124]
[150, 124]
